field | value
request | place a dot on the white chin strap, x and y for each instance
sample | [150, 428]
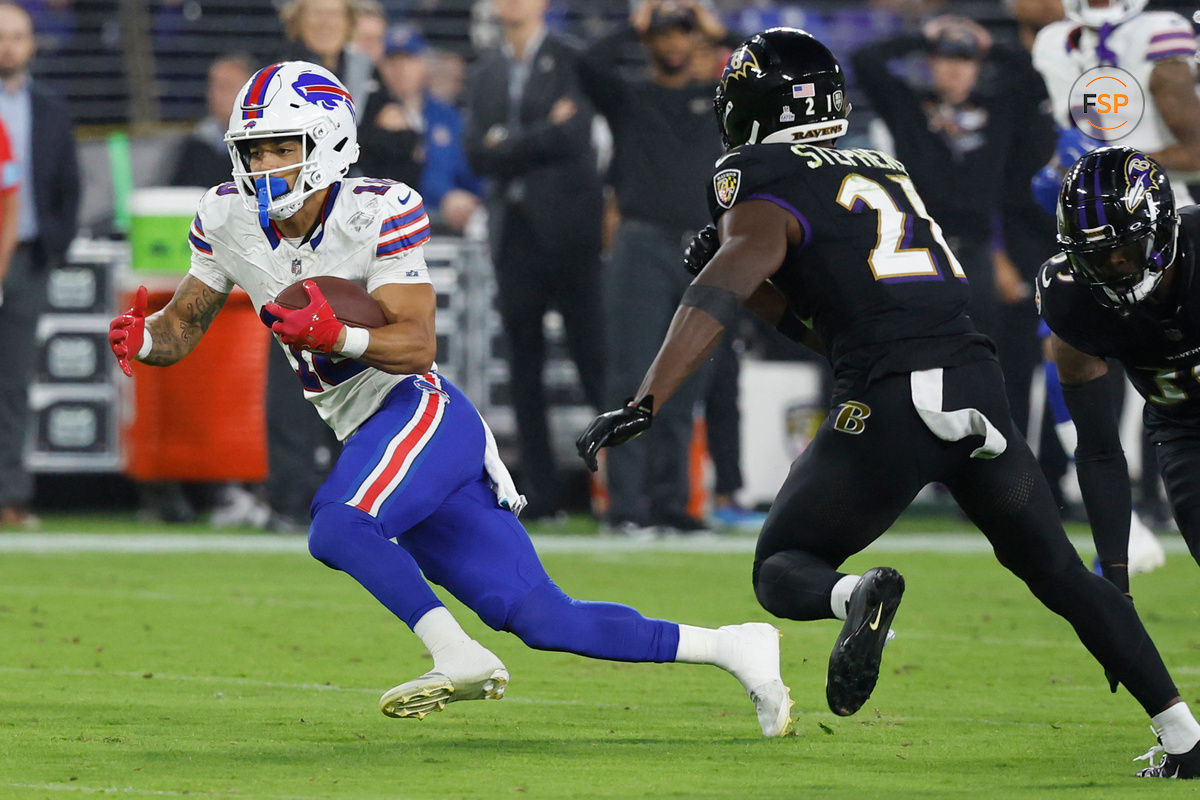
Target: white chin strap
[1145, 286]
[285, 211]
[803, 134]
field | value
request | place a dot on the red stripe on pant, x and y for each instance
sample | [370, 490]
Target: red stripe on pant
[401, 453]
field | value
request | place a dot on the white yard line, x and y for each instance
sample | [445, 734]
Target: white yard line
[545, 543]
[131, 791]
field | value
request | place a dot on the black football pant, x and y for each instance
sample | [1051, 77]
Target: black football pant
[847, 488]
[1178, 454]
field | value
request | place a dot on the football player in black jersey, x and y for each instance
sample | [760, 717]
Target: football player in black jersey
[835, 248]
[1123, 288]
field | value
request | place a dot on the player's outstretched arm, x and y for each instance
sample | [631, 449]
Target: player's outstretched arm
[1174, 92]
[755, 236]
[176, 330]
[168, 335]
[1099, 458]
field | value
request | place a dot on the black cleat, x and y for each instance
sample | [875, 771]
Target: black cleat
[1183, 766]
[854, 662]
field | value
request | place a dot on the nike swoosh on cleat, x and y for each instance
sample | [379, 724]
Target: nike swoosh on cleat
[874, 624]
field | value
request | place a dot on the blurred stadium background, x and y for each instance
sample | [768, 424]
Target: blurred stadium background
[134, 75]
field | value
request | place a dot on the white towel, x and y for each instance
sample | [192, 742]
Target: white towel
[951, 426]
[501, 482]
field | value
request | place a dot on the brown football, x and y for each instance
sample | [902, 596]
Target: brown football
[349, 301]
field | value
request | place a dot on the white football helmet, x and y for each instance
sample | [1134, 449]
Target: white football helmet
[292, 99]
[1117, 11]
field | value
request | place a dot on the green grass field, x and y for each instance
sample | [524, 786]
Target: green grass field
[257, 675]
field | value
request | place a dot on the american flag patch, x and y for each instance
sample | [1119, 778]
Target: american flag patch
[802, 90]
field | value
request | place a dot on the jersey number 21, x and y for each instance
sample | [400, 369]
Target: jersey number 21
[901, 219]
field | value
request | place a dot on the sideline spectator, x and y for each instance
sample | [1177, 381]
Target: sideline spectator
[10, 179]
[43, 141]
[954, 135]
[370, 28]
[447, 76]
[320, 31]
[411, 136]
[529, 131]
[204, 159]
[662, 132]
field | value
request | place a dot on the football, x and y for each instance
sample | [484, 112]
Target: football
[349, 301]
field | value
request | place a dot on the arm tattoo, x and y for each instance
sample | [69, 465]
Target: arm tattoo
[177, 328]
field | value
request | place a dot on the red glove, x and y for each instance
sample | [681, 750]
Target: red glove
[313, 327]
[126, 332]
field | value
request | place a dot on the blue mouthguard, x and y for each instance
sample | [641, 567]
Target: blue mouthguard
[266, 188]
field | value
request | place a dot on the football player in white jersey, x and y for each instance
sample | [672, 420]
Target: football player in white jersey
[418, 492]
[1157, 48]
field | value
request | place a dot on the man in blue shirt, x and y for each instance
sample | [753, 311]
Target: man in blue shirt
[411, 136]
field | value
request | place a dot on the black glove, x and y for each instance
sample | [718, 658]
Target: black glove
[700, 250]
[615, 427]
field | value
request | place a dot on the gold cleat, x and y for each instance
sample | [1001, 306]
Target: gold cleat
[433, 690]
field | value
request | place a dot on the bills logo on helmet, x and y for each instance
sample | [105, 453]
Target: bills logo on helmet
[725, 186]
[740, 63]
[320, 91]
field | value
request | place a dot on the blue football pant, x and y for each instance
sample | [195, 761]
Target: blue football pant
[408, 500]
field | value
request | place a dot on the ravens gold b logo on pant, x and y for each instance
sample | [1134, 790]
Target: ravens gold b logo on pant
[852, 417]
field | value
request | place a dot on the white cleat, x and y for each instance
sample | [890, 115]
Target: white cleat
[480, 676]
[1145, 552]
[754, 655]
[773, 704]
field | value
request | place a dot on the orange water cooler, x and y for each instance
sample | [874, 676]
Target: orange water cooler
[202, 419]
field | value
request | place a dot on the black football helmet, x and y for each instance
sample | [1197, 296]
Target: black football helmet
[781, 85]
[1117, 224]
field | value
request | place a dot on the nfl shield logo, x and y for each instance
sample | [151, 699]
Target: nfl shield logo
[725, 186]
[297, 267]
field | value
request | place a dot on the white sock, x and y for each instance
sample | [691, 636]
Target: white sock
[841, 594]
[439, 630]
[1177, 728]
[700, 646]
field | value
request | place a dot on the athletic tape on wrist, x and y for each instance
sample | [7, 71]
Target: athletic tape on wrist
[357, 340]
[147, 345]
[721, 303]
